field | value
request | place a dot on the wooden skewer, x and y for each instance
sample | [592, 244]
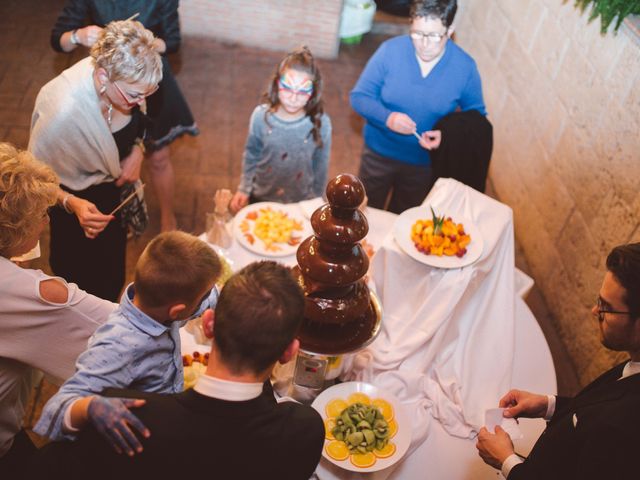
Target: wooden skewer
[133, 17]
[417, 135]
[126, 200]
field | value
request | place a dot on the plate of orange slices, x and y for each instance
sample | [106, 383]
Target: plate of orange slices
[366, 429]
[439, 240]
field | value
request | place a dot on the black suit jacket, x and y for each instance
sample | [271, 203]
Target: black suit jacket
[197, 437]
[465, 150]
[595, 435]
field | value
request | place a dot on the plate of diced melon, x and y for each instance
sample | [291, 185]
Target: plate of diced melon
[439, 240]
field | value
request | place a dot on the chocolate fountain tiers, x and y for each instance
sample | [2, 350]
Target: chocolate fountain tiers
[341, 315]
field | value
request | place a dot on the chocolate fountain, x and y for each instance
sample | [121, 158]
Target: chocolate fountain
[341, 315]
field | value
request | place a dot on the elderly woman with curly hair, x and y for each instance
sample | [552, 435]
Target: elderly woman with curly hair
[44, 322]
[87, 124]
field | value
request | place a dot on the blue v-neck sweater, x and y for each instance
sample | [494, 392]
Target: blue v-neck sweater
[392, 82]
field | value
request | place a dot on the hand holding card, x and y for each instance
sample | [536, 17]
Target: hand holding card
[494, 417]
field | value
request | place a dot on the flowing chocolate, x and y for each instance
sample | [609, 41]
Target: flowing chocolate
[339, 315]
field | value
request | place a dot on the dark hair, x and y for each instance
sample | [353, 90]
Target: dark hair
[445, 10]
[624, 263]
[174, 268]
[257, 316]
[299, 59]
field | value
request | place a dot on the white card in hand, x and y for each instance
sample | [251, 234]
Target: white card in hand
[493, 417]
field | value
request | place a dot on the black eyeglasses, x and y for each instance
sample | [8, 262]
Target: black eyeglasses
[602, 310]
[434, 37]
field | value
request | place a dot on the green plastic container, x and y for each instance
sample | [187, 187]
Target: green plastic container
[355, 40]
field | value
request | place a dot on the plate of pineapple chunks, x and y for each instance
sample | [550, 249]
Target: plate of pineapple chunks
[271, 229]
[438, 239]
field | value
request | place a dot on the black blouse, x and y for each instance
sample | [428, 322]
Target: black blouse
[125, 138]
[159, 16]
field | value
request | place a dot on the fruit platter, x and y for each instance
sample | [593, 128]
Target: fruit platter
[271, 229]
[366, 430]
[440, 236]
[440, 240]
[194, 365]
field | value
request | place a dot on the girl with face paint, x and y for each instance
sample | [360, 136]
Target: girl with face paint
[286, 157]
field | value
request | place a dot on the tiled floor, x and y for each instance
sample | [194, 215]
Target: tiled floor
[222, 83]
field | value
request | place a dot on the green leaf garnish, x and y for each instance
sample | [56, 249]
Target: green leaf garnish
[437, 222]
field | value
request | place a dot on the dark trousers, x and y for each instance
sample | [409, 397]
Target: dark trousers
[408, 184]
[96, 265]
[15, 461]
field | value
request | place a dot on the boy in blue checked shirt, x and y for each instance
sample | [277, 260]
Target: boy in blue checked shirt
[139, 345]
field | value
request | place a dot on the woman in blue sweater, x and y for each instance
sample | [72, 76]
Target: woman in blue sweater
[410, 83]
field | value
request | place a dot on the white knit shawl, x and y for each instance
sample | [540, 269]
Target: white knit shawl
[69, 133]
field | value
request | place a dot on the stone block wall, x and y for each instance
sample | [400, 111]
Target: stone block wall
[270, 24]
[565, 104]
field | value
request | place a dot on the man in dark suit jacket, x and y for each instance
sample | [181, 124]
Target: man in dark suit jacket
[596, 434]
[229, 425]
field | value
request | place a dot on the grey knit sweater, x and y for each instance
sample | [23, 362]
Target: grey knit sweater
[281, 162]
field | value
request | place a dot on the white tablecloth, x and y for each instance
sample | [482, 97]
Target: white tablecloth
[447, 347]
[442, 456]
[447, 340]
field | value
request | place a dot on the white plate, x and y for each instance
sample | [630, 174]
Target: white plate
[258, 246]
[402, 438]
[402, 234]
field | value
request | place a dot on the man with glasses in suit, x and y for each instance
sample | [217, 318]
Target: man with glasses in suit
[596, 434]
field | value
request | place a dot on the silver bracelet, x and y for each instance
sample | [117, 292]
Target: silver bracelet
[65, 201]
[74, 37]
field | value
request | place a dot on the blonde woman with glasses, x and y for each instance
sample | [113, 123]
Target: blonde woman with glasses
[88, 125]
[45, 323]
[79, 25]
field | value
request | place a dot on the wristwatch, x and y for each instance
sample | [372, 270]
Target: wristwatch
[140, 143]
[74, 37]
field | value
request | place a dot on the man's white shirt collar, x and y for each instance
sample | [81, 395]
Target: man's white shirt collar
[227, 390]
[631, 368]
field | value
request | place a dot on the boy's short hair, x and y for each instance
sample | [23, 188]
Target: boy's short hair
[174, 268]
[257, 316]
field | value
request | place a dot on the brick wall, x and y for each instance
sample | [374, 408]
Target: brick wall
[565, 105]
[271, 24]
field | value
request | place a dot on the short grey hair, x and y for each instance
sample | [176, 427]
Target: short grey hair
[125, 51]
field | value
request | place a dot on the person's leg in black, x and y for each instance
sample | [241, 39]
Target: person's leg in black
[411, 185]
[376, 173]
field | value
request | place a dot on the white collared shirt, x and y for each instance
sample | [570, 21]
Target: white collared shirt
[631, 368]
[227, 390]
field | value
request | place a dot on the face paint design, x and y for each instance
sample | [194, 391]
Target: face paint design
[295, 89]
[296, 83]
